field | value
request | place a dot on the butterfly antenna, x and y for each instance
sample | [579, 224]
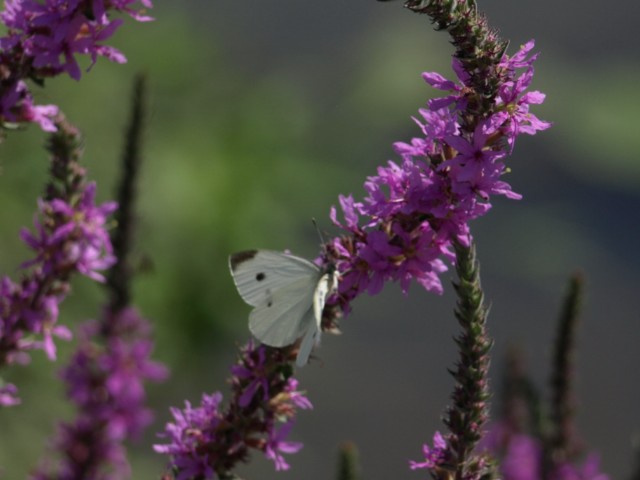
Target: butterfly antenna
[321, 236]
[315, 224]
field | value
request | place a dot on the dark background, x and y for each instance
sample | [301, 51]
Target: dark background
[261, 114]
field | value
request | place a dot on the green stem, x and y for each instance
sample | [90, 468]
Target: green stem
[561, 440]
[469, 411]
[348, 465]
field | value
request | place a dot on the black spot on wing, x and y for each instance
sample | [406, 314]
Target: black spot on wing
[241, 257]
[261, 276]
[269, 298]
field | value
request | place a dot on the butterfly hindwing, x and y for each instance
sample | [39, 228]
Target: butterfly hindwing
[310, 339]
[281, 320]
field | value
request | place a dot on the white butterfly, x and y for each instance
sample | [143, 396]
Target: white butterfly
[288, 294]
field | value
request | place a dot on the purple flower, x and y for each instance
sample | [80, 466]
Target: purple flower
[255, 377]
[105, 381]
[276, 444]
[9, 395]
[296, 397]
[476, 168]
[404, 228]
[44, 39]
[192, 429]
[70, 237]
[519, 454]
[16, 105]
[209, 440]
[79, 239]
[590, 470]
[514, 115]
[85, 455]
[522, 458]
[457, 99]
[433, 456]
[51, 34]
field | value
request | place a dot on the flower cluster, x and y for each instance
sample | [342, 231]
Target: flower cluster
[43, 40]
[521, 457]
[70, 237]
[105, 380]
[530, 443]
[414, 209]
[207, 441]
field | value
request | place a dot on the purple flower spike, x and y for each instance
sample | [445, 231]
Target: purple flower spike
[191, 428]
[44, 39]
[69, 237]
[209, 440]
[404, 228]
[590, 470]
[79, 241]
[105, 381]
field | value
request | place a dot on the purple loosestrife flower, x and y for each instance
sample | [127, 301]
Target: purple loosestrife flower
[70, 237]
[78, 240]
[521, 457]
[16, 105]
[590, 470]
[105, 381]
[404, 227]
[433, 456]
[43, 40]
[276, 444]
[520, 454]
[207, 441]
[106, 375]
[9, 395]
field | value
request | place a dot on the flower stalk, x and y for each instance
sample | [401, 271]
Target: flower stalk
[541, 444]
[119, 276]
[210, 440]
[106, 375]
[478, 48]
[467, 415]
[562, 445]
[70, 238]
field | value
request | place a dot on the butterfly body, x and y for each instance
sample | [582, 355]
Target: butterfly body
[288, 294]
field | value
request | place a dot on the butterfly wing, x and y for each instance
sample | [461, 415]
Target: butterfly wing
[327, 284]
[310, 339]
[284, 318]
[258, 274]
[281, 287]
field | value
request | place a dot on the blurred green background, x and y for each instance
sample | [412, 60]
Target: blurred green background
[261, 114]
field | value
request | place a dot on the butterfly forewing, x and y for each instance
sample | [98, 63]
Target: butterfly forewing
[258, 274]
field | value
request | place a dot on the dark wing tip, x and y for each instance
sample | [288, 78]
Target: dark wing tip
[241, 257]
